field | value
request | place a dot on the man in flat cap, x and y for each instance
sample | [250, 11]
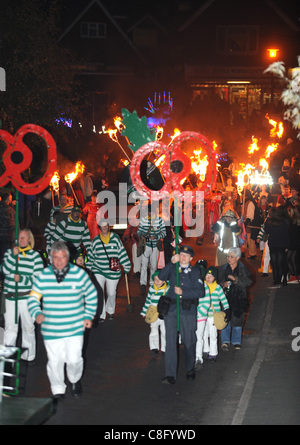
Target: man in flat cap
[189, 290]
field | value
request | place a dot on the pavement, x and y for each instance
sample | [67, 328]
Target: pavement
[258, 385]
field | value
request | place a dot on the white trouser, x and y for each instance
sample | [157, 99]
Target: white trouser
[11, 328]
[267, 258]
[135, 259]
[111, 291]
[200, 340]
[154, 335]
[63, 351]
[210, 337]
[150, 255]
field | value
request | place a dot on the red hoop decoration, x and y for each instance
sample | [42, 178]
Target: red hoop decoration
[135, 170]
[14, 168]
[173, 179]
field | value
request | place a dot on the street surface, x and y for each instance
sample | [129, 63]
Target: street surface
[122, 387]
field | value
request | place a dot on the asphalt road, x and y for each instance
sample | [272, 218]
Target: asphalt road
[122, 383]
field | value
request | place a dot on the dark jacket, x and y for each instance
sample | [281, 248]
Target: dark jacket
[278, 235]
[237, 295]
[190, 282]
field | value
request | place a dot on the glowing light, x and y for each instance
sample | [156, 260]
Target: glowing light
[253, 147]
[79, 168]
[55, 181]
[272, 52]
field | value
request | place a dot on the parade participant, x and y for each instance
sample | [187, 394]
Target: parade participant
[293, 257]
[216, 296]
[234, 277]
[130, 240]
[106, 258]
[285, 197]
[251, 215]
[30, 264]
[67, 295]
[189, 291]
[227, 233]
[202, 313]
[152, 229]
[159, 288]
[74, 232]
[7, 224]
[277, 228]
[57, 214]
[89, 212]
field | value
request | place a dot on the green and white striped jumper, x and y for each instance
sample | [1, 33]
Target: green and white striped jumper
[30, 264]
[215, 298]
[65, 305]
[98, 261]
[153, 296]
[75, 232]
[158, 229]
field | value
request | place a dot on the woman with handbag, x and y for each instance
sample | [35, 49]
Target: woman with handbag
[105, 260]
[235, 277]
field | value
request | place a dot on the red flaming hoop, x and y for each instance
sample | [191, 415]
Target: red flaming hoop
[176, 167]
[17, 159]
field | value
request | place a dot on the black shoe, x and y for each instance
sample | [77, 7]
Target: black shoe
[76, 390]
[191, 375]
[154, 353]
[58, 397]
[168, 381]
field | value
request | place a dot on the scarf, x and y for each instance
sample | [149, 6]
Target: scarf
[212, 286]
[105, 239]
[163, 287]
[60, 274]
[23, 250]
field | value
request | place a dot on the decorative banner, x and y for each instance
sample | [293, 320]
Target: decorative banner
[176, 167]
[17, 159]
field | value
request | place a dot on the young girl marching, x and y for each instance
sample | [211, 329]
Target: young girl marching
[158, 289]
[216, 298]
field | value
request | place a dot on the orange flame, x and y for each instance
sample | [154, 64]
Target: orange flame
[264, 164]
[277, 129]
[79, 168]
[253, 147]
[199, 165]
[55, 181]
[271, 148]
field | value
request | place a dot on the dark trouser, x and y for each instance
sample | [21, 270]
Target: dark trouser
[188, 327]
[279, 264]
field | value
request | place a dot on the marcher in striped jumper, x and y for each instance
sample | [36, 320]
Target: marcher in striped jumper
[217, 297]
[69, 303]
[105, 247]
[151, 227]
[30, 264]
[57, 214]
[74, 232]
[158, 289]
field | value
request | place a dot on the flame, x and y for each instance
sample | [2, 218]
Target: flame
[79, 168]
[264, 164]
[243, 176]
[118, 123]
[160, 160]
[253, 147]
[199, 165]
[277, 129]
[55, 181]
[271, 148]
[159, 133]
[113, 135]
[125, 162]
[176, 133]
